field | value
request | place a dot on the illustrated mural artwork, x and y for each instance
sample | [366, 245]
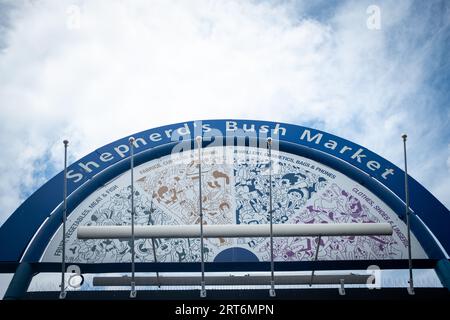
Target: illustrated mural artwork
[235, 190]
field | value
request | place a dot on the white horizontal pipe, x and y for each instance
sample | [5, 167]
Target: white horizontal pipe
[234, 230]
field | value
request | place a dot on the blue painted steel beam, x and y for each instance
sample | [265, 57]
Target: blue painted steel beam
[43, 237]
[443, 272]
[23, 224]
[19, 283]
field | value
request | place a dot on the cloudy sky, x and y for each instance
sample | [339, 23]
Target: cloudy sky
[95, 71]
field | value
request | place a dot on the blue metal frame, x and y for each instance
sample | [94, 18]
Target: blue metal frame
[43, 237]
[27, 219]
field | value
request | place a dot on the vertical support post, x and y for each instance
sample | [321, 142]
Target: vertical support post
[133, 281]
[62, 294]
[272, 265]
[199, 146]
[408, 212]
[315, 259]
[156, 261]
[153, 243]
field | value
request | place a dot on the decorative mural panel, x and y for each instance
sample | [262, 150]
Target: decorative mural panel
[235, 190]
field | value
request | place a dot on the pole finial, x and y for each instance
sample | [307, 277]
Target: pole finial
[66, 142]
[404, 136]
[131, 140]
[269, 141]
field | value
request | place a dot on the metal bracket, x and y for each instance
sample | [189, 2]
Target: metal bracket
[272, 289]
[203, 290]
[410, 289]
[63, 294]
[342, 288]
[133, 290]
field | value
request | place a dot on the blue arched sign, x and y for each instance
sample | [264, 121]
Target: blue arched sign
[324, 178]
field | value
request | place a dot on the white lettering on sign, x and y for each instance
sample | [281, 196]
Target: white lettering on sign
[183, 134]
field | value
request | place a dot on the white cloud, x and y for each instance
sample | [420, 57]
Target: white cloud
[130, 67]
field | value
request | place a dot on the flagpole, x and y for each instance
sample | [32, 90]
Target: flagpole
[199, 145]
[408, 225]
[133, 281]
[62, 294]
[272, 264]
[153, 242]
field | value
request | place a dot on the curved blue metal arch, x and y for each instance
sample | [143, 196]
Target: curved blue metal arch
[45, 234]
[26, 220]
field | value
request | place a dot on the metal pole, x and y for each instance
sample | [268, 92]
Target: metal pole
[133, 282]
[408, 212]
[315, 259]
[272, 264]
[199, 145]
[153, 242]
[62, 294]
